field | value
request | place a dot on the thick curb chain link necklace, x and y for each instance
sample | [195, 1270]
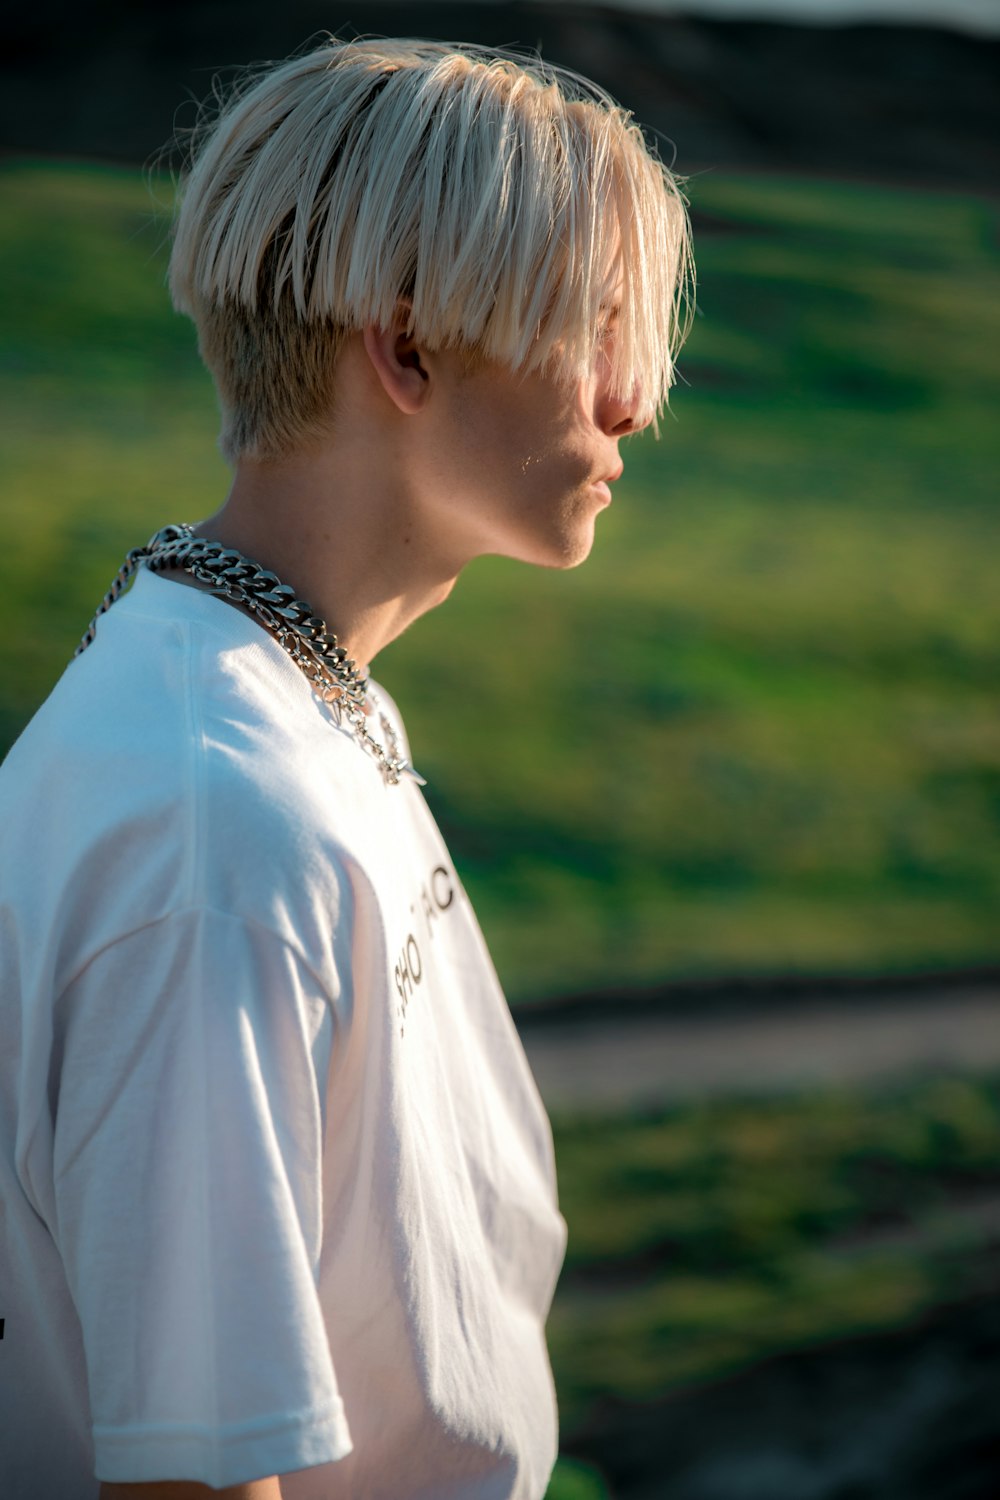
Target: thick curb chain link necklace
[333, 677]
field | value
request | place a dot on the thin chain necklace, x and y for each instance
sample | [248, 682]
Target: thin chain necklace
[333, 677]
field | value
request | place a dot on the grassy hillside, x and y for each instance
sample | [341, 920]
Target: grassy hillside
[704, 1240]
[759, 729]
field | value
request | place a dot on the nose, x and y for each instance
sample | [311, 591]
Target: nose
[621, 416]
[617, 416]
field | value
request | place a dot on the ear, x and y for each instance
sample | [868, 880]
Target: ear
[396, 360]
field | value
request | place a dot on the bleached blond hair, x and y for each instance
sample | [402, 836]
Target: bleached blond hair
[507, 201]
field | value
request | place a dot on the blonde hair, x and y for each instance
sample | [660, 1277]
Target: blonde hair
[505, 199]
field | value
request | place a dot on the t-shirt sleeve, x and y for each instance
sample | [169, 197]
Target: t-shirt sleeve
[188, 1092]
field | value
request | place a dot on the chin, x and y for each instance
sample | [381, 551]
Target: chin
[560, 554]
[575, 547]
[564, 544]
[574, 558]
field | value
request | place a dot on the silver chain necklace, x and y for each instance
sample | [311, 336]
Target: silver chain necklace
[333, 677]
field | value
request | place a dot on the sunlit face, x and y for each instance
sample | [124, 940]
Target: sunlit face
[524, 461]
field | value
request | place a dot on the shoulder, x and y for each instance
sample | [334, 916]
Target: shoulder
[183, 761]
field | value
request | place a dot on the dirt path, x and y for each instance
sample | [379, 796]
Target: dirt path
[620, 1062]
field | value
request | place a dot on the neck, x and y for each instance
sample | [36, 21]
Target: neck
[346, 544]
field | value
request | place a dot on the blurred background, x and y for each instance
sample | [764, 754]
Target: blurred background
[727, 798]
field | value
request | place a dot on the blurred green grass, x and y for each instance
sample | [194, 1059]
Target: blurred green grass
[759, 730]
[705, 1239]
[573, 1480]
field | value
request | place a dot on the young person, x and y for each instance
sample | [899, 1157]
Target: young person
[279, 1199]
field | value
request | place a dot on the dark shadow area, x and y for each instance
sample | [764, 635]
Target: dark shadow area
[906, 1416]
[915, 104]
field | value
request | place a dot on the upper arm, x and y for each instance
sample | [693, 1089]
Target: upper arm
[187, 1172]
[187, 1489]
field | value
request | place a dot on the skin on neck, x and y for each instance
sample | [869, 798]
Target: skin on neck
[339, 519]
[429, 461]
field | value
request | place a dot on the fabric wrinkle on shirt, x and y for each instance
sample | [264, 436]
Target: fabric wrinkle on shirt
[278, 1186]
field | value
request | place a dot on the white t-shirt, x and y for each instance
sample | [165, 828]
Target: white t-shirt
[276, 1184]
